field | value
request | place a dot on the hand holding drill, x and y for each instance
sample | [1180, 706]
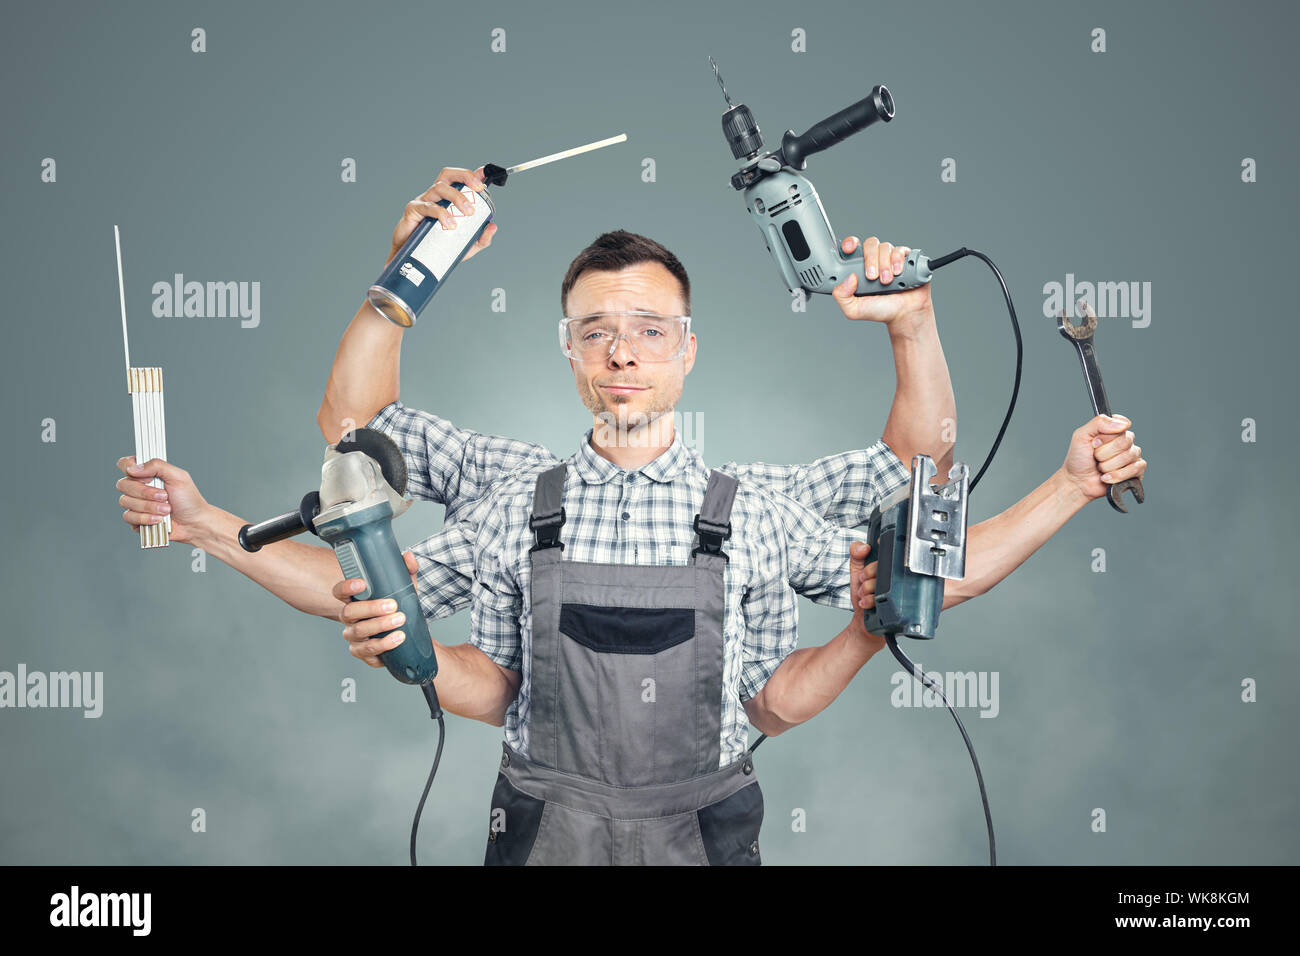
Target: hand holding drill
[883, 261]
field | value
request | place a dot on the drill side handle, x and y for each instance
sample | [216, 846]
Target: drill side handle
[877, 105]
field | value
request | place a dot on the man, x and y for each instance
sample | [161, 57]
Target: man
[831, 666]
[624, 670]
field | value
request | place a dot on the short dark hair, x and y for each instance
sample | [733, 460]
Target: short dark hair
[614, 251]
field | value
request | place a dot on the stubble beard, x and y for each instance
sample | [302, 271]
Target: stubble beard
[620, 422]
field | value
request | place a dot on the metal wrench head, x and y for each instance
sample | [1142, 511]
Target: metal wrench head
[1115, 493]
[1083, 331]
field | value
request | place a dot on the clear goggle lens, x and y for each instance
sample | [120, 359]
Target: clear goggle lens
[652, 337]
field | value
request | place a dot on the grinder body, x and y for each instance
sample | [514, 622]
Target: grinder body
[366, 548]
[363, 480]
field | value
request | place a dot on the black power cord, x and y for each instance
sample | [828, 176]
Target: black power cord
[939, 263]
[892, 639]
[435, 711]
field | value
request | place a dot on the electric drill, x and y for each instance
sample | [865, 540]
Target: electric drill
[785, 205]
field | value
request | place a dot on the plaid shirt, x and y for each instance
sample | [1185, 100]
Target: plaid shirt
[778, 548]
[456, 467]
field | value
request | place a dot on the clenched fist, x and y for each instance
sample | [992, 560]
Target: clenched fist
[146, 505]
[1103, 452]
[862, 588]
[882, 261]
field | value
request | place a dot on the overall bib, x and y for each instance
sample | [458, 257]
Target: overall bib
[626, 701]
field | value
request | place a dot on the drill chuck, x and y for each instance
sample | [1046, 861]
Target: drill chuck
[741, 132]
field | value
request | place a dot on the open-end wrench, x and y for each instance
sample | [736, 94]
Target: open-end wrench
[1080, 336]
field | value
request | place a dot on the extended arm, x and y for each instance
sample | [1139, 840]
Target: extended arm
[364, 377]
[1101, 453]
[922, 419]
[470, 684]
[365, 374]
[445, 463]
[996, 547]
[781, 686]
[923, 416]
[810, 678]
[297, 573]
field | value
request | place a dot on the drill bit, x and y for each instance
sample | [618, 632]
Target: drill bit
[725, 94]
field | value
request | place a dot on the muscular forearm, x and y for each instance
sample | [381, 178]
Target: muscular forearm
[923, 416]
[996, 547]
[808, 680]
[470, 684]
[365, 374]
[300, 574]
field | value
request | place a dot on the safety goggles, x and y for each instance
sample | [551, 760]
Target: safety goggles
[651, 336]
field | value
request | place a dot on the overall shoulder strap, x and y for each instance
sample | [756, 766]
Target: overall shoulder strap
[713, 522]
[548, 510]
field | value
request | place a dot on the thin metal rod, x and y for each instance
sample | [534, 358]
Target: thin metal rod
[567, 153]
[121, 296]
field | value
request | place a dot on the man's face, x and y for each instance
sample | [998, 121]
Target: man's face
[618, 388]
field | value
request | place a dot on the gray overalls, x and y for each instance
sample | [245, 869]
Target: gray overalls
[626, 709]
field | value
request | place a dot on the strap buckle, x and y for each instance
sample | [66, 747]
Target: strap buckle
[546, 528]
[711, 536]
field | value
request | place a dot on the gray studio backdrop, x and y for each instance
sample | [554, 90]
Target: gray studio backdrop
[1119, 691]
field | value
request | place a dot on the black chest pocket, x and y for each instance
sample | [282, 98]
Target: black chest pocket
[627, 630]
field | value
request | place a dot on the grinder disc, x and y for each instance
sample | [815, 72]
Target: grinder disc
[383, 450]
